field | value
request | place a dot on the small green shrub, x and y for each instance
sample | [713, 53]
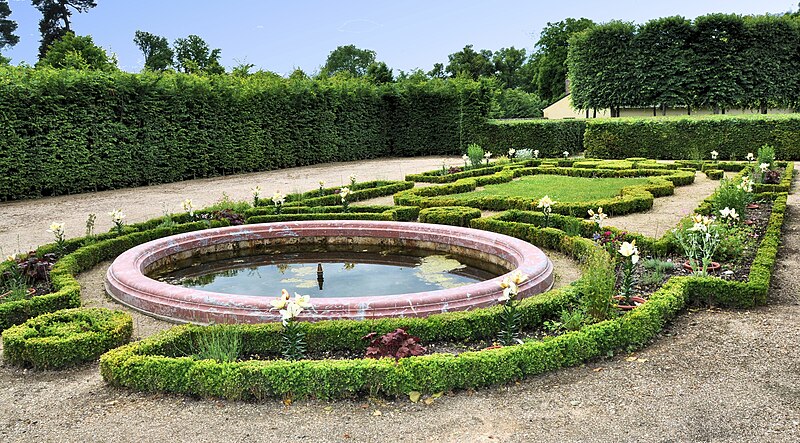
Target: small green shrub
[475, 154]
[766, 154]
[714, 174]
[66, 338]
[219, 344]
[731, 195]
[596, 288]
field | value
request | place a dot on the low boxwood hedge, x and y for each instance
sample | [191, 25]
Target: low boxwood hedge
[715, 174]
[330, 196]
[786, 180]
[449, 215]
[66, 337]
[300, 213]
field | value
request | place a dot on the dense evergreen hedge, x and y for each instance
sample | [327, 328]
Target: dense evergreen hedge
[693, 137]
[66, 131]
[551, 138]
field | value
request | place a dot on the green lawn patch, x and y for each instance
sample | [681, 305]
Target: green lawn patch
[558, 187]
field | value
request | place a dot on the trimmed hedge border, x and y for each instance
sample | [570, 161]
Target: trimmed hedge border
[714, 174]
[330, 196]
[89, 333]
[301, 213]
[449, 215]
[786, 180]
[62, 276]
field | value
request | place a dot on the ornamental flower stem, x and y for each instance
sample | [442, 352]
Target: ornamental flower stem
[511, 319]
[293, 337]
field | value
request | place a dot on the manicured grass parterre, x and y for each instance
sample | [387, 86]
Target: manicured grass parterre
[161, 364]
[559, 188]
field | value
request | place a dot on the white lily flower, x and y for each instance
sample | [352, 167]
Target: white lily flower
[281, 301]
[56, 229]
[188, 207]
[511, 152]
[256, 190]
[536, 153]
[465, 157]
[487, 155]
[292, 310]
[628, 249]
[304, 301]
[566, 154]
[518, 277]
[750, 156]
[635, 258]
[764, 167]
[344, 193]
[545, 203]
[278, 198]
[117, 215]
[714, 155]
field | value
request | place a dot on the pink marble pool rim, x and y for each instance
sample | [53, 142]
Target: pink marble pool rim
[126, 282]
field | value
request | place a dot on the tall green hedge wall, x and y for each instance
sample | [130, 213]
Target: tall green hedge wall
[693, 137]
[65, 131]
[550, 137]
[690, 137]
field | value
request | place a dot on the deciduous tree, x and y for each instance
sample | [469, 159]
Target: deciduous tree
[158, 56]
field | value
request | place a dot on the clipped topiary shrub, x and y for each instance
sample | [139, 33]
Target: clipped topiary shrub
[715, 174]
[66, 338]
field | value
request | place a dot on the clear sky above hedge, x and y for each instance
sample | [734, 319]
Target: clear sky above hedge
[280, 36]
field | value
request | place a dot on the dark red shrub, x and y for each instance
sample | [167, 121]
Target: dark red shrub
[396, 344]
[772, 177]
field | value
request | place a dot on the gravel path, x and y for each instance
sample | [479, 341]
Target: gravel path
[667, 211]
[23, 224]
[721, 376]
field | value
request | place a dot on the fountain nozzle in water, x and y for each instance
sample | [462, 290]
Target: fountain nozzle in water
[320, 276]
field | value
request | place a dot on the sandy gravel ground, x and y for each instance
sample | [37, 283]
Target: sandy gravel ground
[712, 376]
[667, 211]
[23, 224]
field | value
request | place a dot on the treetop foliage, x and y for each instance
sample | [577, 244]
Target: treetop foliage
[7, 26]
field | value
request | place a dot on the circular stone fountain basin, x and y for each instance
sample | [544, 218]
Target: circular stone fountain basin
[127, 280]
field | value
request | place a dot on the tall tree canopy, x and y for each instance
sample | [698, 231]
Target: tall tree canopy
[77, 52]
[55, 19]
[192, 55]
[550, 58]
[349, 59]
[470, 63]
[158, 56]
[7, 27]
[379, 73]
[508, 67]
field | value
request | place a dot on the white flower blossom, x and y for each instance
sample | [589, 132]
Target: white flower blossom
[344, 193]
[729, 213]
[188, 207]
[764, 167]
[487, 155]
[598, 216]
[278, 199]
[566, 154]
[56, 229]
[117, 215]
[256, 190]
[545, 204]
[714, 155]
[536, 153]
[465, 157]
[629, 249]
[511, 152]
[750, 156]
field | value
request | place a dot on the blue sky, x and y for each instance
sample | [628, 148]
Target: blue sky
[281, 35]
